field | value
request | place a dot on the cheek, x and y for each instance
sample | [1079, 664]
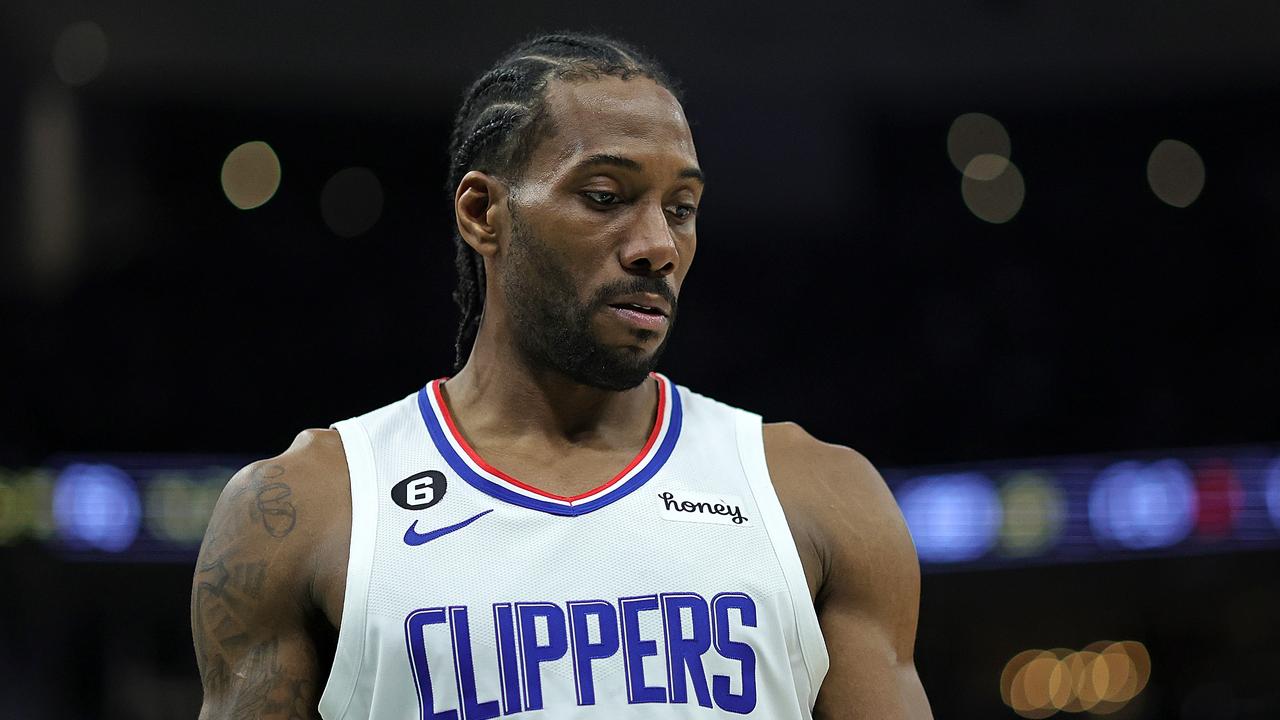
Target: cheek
[567, 275]
[587, 264]
[688, 248]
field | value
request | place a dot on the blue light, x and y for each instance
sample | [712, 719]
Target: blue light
[1143, 506]
[1273, 492]
[96, 506]
[953, 517]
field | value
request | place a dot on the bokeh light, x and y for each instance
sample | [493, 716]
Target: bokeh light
[11, 521]
[178, 508]
[1011, 669]
[975, 134]
[952, 517]
[1220, 498]
[35, 499]
[1272, 490]
[1082, 692]
[351, 201]
[96, 505]
[251, 175]
[1100, 679]
[80, 53]
[25, 505]
[1143, 506]
[992, 188]
[1037, 685]
[1175, 173]
[986, 167]
[1034, 512]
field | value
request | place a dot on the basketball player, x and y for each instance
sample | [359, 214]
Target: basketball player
[556, 530]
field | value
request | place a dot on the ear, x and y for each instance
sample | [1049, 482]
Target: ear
[480, 206]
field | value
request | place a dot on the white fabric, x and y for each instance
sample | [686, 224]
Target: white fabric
[479, 621]
[341, 688]
[809, 655]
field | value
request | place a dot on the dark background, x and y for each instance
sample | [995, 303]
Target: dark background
[840, 280]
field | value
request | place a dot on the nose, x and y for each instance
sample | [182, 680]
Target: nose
[651, 247]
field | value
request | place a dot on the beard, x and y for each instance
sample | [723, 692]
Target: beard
[552, 326]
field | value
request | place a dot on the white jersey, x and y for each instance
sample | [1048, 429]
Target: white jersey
[674, 590]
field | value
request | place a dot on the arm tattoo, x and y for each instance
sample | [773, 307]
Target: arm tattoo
[241, 657]
[215, 624]
[267, 691]
[272, 506]
[222, 596]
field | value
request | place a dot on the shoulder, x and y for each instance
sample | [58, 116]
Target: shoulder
[306, 476]
[293, 507]
[315, 458]
[840, 506]
[803, 453]
[818, 473]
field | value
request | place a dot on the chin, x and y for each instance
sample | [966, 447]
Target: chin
[616, 382]
[621, 369]
[606, 361]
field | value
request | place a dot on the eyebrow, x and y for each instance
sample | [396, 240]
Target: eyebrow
[629, 164]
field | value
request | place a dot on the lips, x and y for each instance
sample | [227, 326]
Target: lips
[641, 311]
[645, 303]
[647, 310]
[646, 319]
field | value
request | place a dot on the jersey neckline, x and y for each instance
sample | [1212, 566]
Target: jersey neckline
[478, 473]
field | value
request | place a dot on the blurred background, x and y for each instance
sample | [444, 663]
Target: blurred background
[1021, 255]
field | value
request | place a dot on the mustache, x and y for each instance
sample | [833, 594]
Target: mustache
[638, 284]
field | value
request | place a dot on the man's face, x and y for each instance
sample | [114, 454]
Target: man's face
[602, 232]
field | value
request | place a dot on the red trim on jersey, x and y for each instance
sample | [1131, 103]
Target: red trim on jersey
[475, 457]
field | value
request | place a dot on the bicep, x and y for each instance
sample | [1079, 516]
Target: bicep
[869, 602]
[248, 611]
[868, 678]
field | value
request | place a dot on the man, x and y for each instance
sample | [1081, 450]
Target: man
[557, 530]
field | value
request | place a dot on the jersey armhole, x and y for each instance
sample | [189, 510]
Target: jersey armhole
[348, 658]
[813, 648]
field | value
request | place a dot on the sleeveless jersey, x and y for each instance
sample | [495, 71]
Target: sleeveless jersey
[674, 590]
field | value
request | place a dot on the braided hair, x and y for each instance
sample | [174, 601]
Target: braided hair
[502, 118]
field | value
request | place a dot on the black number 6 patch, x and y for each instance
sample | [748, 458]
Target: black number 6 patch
[421, 491]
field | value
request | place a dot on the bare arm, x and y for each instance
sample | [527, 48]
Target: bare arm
[863, 568]
[252, 597]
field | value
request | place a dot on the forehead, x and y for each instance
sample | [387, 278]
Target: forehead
[636, 118]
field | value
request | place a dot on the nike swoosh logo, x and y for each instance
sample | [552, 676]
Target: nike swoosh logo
[413, 537]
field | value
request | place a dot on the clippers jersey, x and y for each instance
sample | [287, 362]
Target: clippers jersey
[674, 590]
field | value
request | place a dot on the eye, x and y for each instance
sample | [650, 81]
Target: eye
[601, 197]
[684, 212]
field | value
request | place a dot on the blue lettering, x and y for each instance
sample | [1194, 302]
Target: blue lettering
[636, 650]
[584, 651]
[529, 635]
[464, 669]
[733, 650]
[508, 658]
[533, 653]
[684, 655]
[414, 627]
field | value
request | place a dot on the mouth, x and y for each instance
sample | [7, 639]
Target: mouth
[640, 316]
[647, 303]
[640, 308]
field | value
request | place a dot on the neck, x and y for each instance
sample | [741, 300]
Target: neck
[498, 395]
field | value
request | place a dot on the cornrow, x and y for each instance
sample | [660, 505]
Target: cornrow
[502, 116]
